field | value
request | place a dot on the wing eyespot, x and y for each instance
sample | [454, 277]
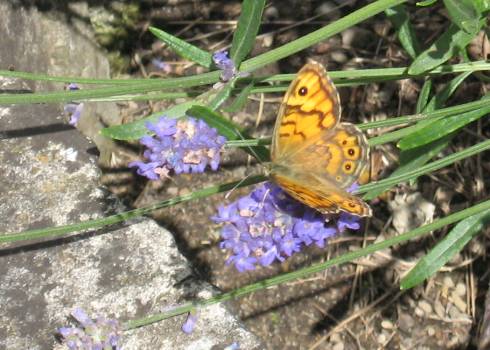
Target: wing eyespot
[348, 167]
[303, 91]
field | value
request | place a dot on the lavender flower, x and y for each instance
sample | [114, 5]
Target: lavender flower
[233, 346]
[74, 109]
[190, 322]
[223, 61]
[158, 63]
[268, 225]
[102, 334]
[183, 146]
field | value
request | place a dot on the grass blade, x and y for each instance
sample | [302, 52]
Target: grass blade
[413, 159]
[137, 129]
[436, 165]
[464, 14]
[247, 29]
[398, 15]
[441, 50]
[291, 276]
[444, 251]
[241, 99]
[440, 128]
[113, 219]
[183, 48]
[424, 96]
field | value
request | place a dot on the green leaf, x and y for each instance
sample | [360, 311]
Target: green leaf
[241, 99]
[247, 29]
[483, 6]
[428, 168]
[465, 14]
[426, 3]
[222, 95]
[426, 116]
[228, 129]
[183, 48]
[437, 102]
[444, 251]
[406, 34]
[440, 128]
[442, 96]
[445, 47]
[137, 129]
[424, 96]
[412, 159]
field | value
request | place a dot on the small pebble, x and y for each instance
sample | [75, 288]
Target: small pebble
[381, 338]
[431, 331]
[455, 313]
[338, 56]
[338, 346]
[271, 13]
[335, 338]
[460, 289]
[458, 301]
[419, 312]
[405, 322]
[439, 309]
[386, 324]
[424, 305]
[328, 9]
[267, 40]
[448, 282]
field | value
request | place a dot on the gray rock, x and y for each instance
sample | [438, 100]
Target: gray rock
[49, 177]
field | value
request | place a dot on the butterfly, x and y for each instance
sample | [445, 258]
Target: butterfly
[316, 158]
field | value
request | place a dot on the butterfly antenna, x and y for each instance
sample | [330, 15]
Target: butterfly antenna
[259, 159]
[236, 186]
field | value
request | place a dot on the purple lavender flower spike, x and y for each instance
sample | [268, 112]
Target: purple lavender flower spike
[103, 334]
[223, 61]
[74, 109]
[267, 226]
[349, 221]
[159, 64]
[233, 346]
[181, 146]
[190, 322]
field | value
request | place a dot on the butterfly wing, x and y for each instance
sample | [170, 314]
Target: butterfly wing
[341, 155]
[321, 194]
[314, 158]
[310, 106]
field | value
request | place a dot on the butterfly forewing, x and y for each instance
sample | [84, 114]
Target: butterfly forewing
[310, 106]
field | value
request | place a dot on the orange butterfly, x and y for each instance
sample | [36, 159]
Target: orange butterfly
[315, 158]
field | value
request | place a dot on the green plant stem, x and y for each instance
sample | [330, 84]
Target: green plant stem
[57, 231]
[319, 35]
[211, 77]
[287, 277]
[113, 219]
[337, 76]
[436, 165]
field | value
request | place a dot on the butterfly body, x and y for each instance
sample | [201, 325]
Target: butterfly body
[315, 158]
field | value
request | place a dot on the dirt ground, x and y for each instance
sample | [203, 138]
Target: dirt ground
[353, 306]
